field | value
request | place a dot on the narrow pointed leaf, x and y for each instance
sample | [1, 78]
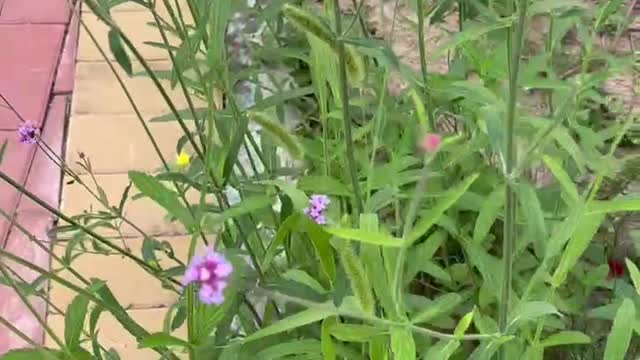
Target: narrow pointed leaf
[621, 332]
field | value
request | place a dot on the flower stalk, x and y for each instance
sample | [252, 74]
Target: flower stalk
[346, 118]
[510, 164]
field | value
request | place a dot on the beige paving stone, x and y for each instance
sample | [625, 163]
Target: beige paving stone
[131, 285]
[144, 213]
[113, 335]
[136, 26]
[97, 91]
[122, 143]
[131, 6]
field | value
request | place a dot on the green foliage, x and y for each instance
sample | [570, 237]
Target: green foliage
[412, 241]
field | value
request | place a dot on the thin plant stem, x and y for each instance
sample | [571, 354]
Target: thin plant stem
[387, 323]
[136, 110]
[509, 240]
[84, 229]
[344, 94]
[423, 66]
[26, 338]
[139, 331]
[29, 306]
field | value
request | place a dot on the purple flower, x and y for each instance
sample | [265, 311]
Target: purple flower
[317, 205]
[28, 133]
[212, 272]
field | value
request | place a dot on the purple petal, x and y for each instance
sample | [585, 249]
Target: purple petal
[209, 296]
[223, 269]
[190, 276]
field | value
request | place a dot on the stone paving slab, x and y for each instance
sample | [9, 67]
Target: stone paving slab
[11, 307]
[41, 181]
[34, 12]
[135, 24]
[97, 91]
[27, 70]
[140, 291]
[16, 163]
[144, 213]
[134, 149]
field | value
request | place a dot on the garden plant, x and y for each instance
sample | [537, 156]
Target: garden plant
[349, 205]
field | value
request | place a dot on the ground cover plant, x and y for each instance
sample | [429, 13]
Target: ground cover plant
[476, 213]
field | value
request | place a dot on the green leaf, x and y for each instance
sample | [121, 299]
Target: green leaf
[432, 215]
[168, 199]
[322, 246]
[302, 318]
[79, 354]
[298, 197]
[488, 214]
[402, 345]
[320, 184]
[162, 339]
[621, 332]
[355, 333]
[566, 337]
[246, 206]
[612, 206]
[443, 350]
[281, 135]
[32, 354]
[281, 97]
[328, 347]
[289, 349]
[472, 31]
[303, 277]
[220, 13]
[463, 325]
[74, 321]
[441, 306]
[234, 146]
[286, 227]
[531, 310]
[634, 273]
[608, 10]
[567, 185]
[119, 52]
[577, 245]
[563, 232]
[378, 348]
[365, 236]
[532, 209]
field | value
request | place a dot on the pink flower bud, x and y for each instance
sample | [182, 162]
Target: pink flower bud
[431, 142]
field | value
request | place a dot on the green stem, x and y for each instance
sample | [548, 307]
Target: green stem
[423, 66]
[84, 229]
[510, 162]
[136, 110]
[346, 118]
[27, 339]
[27, 304]
[387, 323]
[139, 332]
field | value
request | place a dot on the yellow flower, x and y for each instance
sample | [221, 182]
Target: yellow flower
[183, 159]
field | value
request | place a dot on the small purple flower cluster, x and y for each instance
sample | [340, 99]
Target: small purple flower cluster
[212, 272]
[317, 205]
[28, 133]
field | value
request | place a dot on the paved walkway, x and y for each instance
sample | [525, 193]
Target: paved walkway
[103, 127]
[36, 79]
